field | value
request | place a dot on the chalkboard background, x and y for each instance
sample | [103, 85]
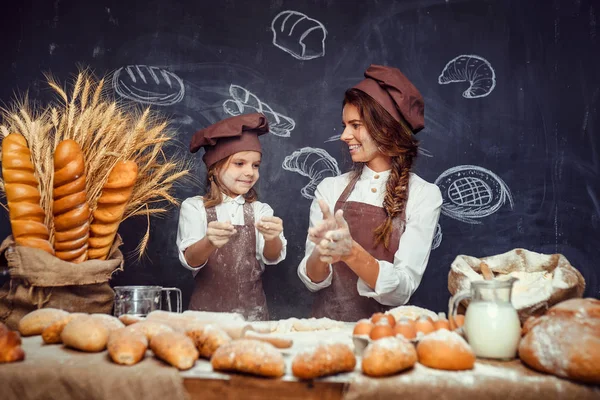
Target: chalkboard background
[526, 142]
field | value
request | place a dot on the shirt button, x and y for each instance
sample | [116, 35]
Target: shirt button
[376, 176]
[374, 190]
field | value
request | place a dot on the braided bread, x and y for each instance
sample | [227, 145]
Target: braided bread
[23, 195]
[70, 207]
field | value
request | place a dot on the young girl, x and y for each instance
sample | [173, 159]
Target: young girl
[372, 253]
[227, 236]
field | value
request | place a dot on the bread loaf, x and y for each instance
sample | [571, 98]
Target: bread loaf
[323, 360]
[446, 350]
[126, 347]
[116, 193]
[22, 195]
[85, 334]
[208, 339]
[129, 319]
[279, 342]
[388, 356]
[111, 323]
[565, 341]
[36, 321]
[10, 345]
[149, 328]
[70, 206]
[250, 357]
[175, 348]
[51, 334]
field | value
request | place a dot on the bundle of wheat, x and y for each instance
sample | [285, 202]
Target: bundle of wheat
[110, 139]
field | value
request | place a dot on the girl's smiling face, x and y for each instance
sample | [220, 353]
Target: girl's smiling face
[240, 173]
[361, 145]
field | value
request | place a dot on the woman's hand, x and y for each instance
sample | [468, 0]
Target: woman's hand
[332, 236]
[219, 233]
[317, 233]
[270, 227]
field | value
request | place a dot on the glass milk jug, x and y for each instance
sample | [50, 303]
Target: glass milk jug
[492, 325]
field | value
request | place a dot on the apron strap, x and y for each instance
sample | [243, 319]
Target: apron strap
[349, 188]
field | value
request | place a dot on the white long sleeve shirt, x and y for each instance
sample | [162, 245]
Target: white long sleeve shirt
[193, 224]
[397, 281]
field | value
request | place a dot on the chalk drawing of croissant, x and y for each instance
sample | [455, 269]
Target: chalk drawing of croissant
[243, 102]
[148, 85]
[299, 35]
[473, 69]
[316, 164]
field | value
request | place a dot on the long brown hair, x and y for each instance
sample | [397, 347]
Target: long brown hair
[395, 140]
[214, 195]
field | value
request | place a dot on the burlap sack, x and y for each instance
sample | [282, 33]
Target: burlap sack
[551, 277]
[41, 280]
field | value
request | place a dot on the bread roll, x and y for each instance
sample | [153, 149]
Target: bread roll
[208, 339]
[51, 334]
[446, 350]
[116, 193]
[85, 334]
[36, 321]
[22, 195]
[388, 356]
[111, 323]
[70, 206]
[565, 341]
[175, 348]
[129, 319]
[149, 328]
[10, 345]
[279, 342]
[126, 347]
[250, 357]
[323, 360]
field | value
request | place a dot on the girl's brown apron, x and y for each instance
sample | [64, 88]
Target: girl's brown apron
[341, 300]
[231, 279]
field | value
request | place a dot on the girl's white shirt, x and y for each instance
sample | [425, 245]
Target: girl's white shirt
[397, 281]
[193, 224]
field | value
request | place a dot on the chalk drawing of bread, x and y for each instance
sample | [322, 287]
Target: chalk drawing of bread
[473, 69]
[148, 85]
[470, 192]
[437, 237]
[243, 102]
[316, 164]
[299, 35]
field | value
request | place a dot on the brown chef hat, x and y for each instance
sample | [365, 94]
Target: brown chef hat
[230, 136]
[390, 88]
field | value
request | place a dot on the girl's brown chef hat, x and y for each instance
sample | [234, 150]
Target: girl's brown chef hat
[230, 136]
[390, 88]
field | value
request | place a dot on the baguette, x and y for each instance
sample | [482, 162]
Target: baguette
[116, 193]
[175, 348]
[22, 195]
[70, 207]
[126, 347]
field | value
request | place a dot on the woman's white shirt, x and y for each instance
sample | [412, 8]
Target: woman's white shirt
[397, 281]
[193, 224]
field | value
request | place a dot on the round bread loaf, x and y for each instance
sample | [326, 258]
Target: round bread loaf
[565, 341]
[323, 360]
[388, 356]
[446, 350]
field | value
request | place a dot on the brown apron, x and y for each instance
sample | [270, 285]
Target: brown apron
[341, 301]
[231, 279]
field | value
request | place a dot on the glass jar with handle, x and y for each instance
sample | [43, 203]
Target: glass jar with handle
[142, 300]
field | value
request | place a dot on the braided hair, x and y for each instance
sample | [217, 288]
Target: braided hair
[395, 140]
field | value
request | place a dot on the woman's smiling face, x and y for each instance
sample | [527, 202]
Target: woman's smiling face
[361, 145]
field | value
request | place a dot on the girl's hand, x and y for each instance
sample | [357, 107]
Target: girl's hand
[317, 233]
[336, 243]
[270, 227]
[219, 233]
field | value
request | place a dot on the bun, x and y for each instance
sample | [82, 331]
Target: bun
[149, 328]
[208, 339]
[10, 345]
[126, 347]
[129, 319]
[111, 323]
[116, 193]
[51, 334]
[388, 356]
[85, 334]
[27, 218]
[446, 350]
[175, 348]
[36, 321]
[325, 359]
[566, 341]
[250, 357]
[70, 207]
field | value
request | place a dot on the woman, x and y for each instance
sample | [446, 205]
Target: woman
[371, 254]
